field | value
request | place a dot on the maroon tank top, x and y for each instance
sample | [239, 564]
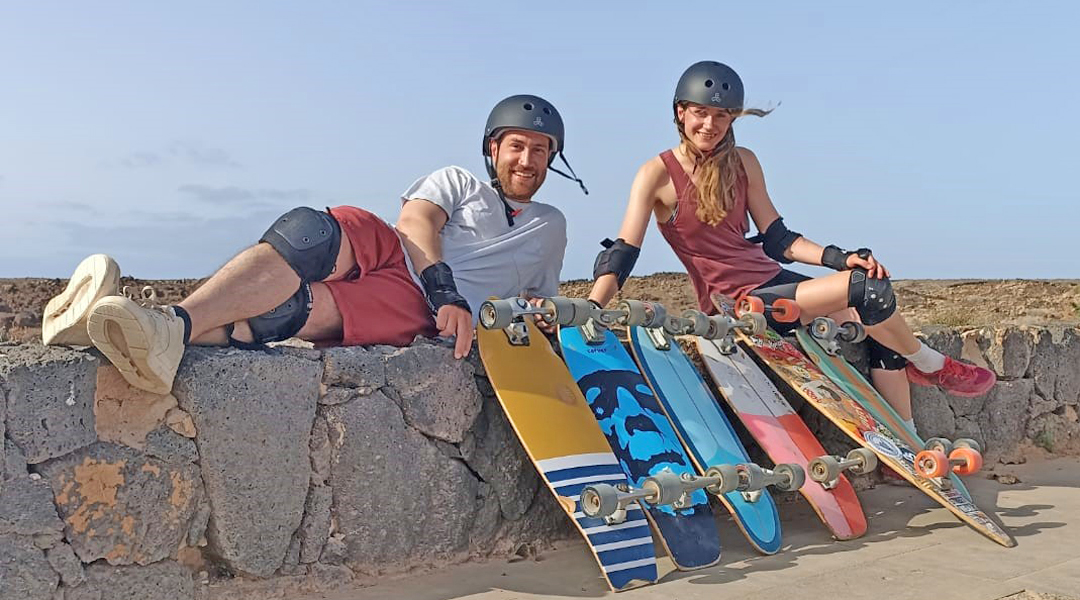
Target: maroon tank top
[717, 258]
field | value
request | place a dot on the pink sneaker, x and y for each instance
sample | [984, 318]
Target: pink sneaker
[957, 378]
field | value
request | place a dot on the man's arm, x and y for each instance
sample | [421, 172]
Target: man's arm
[419, 225]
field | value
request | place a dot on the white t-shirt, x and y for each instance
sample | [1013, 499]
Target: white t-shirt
[487, 255]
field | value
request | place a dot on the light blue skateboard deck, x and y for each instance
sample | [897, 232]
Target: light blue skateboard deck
[643, 440]
[705, 431]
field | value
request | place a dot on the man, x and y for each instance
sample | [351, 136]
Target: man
[345, 275]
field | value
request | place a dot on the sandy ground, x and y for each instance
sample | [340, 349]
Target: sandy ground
[914, 550]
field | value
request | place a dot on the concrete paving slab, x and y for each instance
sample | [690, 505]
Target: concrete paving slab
[914, 550]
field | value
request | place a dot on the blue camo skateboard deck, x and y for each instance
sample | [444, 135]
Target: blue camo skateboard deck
[560, 436]
[705, 431]
[643, 440]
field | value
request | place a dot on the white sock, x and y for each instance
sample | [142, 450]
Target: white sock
[926, 359]
[911, 424]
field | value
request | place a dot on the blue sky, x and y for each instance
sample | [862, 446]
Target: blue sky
[939, 134]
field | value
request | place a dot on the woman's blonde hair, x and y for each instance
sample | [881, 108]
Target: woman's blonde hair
[717, 172]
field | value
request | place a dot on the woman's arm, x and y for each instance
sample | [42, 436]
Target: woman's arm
[643, 198]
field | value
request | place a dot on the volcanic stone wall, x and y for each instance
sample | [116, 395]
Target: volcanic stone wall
[296, 465]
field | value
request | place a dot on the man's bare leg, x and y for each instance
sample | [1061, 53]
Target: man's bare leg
[255, 281]
[324, 323]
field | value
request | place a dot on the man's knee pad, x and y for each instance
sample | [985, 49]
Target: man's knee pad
[882, 357]
[308, 240]
[873, 299]
[286, 320]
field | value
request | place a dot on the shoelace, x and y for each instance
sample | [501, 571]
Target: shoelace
[147, 297]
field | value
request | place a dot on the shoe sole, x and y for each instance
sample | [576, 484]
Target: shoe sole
[118, 332]
[64, 322]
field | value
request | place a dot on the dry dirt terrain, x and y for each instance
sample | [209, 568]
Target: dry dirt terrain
[956, 303]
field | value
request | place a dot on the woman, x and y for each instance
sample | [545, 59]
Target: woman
[701, 192]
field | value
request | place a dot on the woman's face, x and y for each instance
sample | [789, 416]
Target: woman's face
[703, 125]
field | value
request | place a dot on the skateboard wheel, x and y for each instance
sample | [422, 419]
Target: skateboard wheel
[931, 463]
[600, 500]
[496, 314]
[666, 487]
[940, 444]
[967, 443]
[749, 304]
[972, 460]
[823, 328]
[728, 476]
[656, 315]
[582, 311]
[785, 310]
[754, 323]
[794, 477]
[824, 469]
[699, 322]
[635, 312]
[558, 309]
[868, 461]
[852, 332]
[754, 477]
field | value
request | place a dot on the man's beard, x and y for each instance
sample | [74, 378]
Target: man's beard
[518, 190]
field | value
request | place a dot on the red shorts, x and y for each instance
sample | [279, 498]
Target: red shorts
[383, 305]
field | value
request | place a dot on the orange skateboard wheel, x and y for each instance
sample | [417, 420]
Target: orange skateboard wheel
[932, 463]
[749, 304]
[972, 460]
[785, 310]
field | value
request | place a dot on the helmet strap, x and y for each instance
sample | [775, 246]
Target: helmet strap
[573, 176]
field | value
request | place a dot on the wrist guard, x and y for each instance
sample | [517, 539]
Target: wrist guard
[440, 289]
[836, 257]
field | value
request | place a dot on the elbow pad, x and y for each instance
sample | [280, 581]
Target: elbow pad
[440, 288]
[777, 239]
[617, 257]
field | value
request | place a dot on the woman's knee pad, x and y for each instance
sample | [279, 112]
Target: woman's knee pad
[873, 299]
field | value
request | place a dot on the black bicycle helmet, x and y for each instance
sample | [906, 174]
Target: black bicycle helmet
[711, 84]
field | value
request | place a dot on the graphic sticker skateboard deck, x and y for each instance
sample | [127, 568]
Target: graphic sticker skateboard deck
[860, 425]
[782, 434]
[642, 438]
[848, 378]
[557, 429]
[704, 430]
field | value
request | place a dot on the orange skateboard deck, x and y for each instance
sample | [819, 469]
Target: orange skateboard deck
[860, 425]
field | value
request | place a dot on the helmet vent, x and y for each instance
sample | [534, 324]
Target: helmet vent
[528, 106]
[547, 111]
[726, 86]
[708, 83]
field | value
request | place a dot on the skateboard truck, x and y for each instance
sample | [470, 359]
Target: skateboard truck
[723, 327]
[826, 469]
[594, 321]
[827, 333]
[750, 479]
[940, 456]
[609, 502]
[508, 314]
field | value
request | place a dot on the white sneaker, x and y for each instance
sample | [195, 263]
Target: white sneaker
[64, 323]
[144, 343]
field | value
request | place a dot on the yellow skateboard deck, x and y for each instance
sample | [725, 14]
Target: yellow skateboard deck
[562, 438]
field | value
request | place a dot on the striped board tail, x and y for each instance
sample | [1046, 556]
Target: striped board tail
[624, 550]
